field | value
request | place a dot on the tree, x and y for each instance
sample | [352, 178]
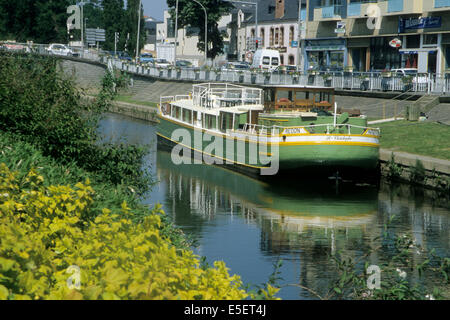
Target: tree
[131, 26]
[50, 23]
[189, 14]
[42, 21]
[113, 19]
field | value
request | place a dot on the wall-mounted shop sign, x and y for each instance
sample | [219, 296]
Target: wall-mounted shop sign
[417, 51]
[395, 43]
[416, 23]
[280, 49]
[340, 27]
[326, 45]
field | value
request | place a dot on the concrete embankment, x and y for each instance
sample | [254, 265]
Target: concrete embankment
[135, 111]
[416, 169]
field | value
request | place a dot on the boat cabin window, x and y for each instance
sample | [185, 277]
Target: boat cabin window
[284, 95]
[301, 95]
[187, 116]
[269, 95]
[323, 97]
[177, 112]
[210, 121]
[226, 121]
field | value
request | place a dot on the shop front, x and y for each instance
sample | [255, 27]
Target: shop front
[382, 55]
[326, 54]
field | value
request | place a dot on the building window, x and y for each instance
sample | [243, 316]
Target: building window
[291, 60]
[277, 32]
[291, 34]
[262, 36]
[282, 36]
[252, 32]
[430, 39]
[271, 37]
[413, 42]
[170, 28]
[282, 59]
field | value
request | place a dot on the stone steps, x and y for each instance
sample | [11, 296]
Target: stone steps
[423, 105]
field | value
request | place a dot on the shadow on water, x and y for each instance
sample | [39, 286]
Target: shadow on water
[251, 224]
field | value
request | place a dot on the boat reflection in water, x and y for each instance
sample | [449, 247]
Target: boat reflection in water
[288, 205]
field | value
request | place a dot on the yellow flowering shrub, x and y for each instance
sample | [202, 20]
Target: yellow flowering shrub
[48, 250]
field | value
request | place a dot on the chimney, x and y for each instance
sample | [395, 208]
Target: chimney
[279, 9]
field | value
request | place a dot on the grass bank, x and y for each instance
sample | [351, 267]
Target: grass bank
[129, 99]
[423, 138]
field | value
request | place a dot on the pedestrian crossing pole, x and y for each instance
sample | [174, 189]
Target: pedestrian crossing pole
[138, 30]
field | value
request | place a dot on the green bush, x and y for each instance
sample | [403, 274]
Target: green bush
[42, 105]
[45, 239]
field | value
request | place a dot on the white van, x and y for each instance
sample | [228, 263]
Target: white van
[266, 59]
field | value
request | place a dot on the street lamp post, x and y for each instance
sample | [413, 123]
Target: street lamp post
[139, 30]
[176, 34]
[206, 30]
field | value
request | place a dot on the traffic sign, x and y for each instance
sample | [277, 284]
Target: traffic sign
[95, 35]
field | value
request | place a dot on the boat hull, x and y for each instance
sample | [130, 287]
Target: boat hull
[309, 156]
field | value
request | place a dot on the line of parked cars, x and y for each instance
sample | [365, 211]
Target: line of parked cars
[57, 49]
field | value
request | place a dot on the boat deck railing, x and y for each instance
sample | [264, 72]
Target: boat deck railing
[170, 99]
[219, 95]
[309, 129]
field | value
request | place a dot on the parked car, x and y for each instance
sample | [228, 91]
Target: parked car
[183, 64]
[124, 56]
[60, 50]
[285, 69]
[161, 63]
[409, 77]
[146, 58]
[235, 66]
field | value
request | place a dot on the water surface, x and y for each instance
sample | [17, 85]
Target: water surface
[251, 225]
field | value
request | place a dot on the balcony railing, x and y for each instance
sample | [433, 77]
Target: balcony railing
[395, 5]
[303, 15]
[354, 9]
[332, 11]
[441, 3]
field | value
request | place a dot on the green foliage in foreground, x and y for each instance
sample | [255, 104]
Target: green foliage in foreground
[23, 157]
[47, 226]
[424, 138]
[42, 106]
[49, 251]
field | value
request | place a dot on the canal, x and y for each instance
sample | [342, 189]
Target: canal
[251, 225]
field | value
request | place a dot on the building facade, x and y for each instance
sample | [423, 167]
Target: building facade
[278, 29]
[358, 35]
[374, 35]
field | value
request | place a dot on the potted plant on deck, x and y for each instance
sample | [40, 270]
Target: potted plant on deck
[217, 72]
[295, 77]
[241, 76]
[169, 71]
[407, 82]
[253, 75]
[386, 79]
[327, 79]
[178, 70]
[197, 73]
[365, 81]
[267, 75]
[311, 76]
